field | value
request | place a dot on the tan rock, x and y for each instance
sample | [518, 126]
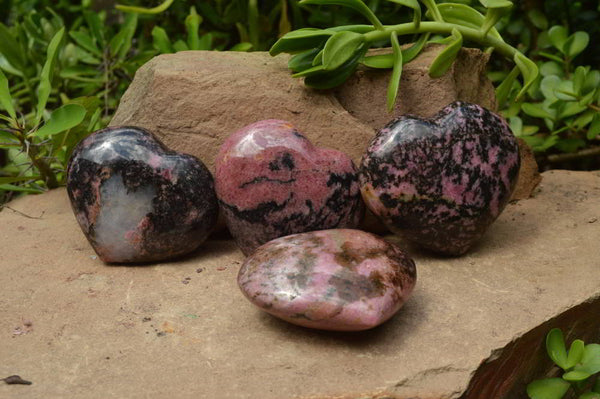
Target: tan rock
[473, 329]
[194, 100]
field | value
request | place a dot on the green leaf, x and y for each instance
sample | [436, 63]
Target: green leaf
[300, 40]
[142, 10]
[570, 109]
[516, 125]
[317, 69]
[549, 388]
[85, 41]
[590, 395]
[590, 361]
[413, 51]
[206, 40]
[192, 24]
[45, 85]
[555, 346]
[592, 81]
[551, 68]
[503, 90]
[10, 49]
[547, 86]
[576, 43]
[584, 119]
[574, 375]
[244, 46]
[565, 91]
[96, 26]
[414, 4]
[340, 48]
[180, 45]
[121, 42]
[330, 79]
[536, 110]
[161, 41]
[394, 85]
[302, 61]
[356, 5]
[381, 61]
[529, 71]
[461, 14]
[558, 36]
[496, 3]
[5, 97]
[594, 129]
[94, 120]
[11, 187]
[596, 387]
[62, 119]
[318, 60]
[538, 19]
[15, 179]
[446, 57]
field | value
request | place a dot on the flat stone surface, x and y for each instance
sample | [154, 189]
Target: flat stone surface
[473, 328]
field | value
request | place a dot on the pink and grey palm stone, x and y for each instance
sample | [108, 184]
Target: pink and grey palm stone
[441, 182]
[340, 279]
[137, 201]
[272, 182]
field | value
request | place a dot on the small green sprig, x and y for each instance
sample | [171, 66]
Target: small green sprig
[581, 365]
[327, 57]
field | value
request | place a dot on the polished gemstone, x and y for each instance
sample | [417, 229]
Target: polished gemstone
[137, 201]
[271, 182]
[338, 279]
[441, 182]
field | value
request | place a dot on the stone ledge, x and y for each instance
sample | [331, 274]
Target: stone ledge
[473, 329]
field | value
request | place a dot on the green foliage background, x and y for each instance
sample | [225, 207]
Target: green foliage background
[102, 47]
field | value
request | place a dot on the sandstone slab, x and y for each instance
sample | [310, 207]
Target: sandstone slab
[474, 327]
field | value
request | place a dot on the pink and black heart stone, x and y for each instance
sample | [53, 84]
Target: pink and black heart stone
[138, 201]
[272, 182]
[441, 182]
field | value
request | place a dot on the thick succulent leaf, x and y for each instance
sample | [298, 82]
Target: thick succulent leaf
[529, 71]
[380, 61]
[300, 40]
[413, 51]
[330, 79]
[576, 43]
[503, 90]
[575, 375]
[192, 24]
[463, 15]
[496, 3]
[161, 41]
[302, 61]
[558, 36]
[142, 10]
[550, 388]
[590, 361]
[394, 85]
[340, 48]
[555, 346]
[446, 57]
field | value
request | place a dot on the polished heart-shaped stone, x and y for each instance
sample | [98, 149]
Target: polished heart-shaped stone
[138, 201]
[441, 182]
[340, 279]
[271, 182]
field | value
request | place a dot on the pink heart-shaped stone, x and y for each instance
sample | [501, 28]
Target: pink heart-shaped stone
[271, 182]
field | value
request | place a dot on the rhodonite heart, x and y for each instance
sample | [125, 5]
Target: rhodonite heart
[441, 182]
[272, 182]
[137, 201]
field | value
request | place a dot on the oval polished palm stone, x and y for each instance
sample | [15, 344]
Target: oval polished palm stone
[441, 182]
[138, 201]
[340, 279]
[272, 182]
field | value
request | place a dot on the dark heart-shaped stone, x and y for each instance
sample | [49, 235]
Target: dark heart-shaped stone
[272, 182]
[441, 182]
[138, 201]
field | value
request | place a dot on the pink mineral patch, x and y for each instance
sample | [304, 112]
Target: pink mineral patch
[343, 279]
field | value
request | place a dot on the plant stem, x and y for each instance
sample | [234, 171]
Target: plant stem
[588, 152]
[442, 28]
